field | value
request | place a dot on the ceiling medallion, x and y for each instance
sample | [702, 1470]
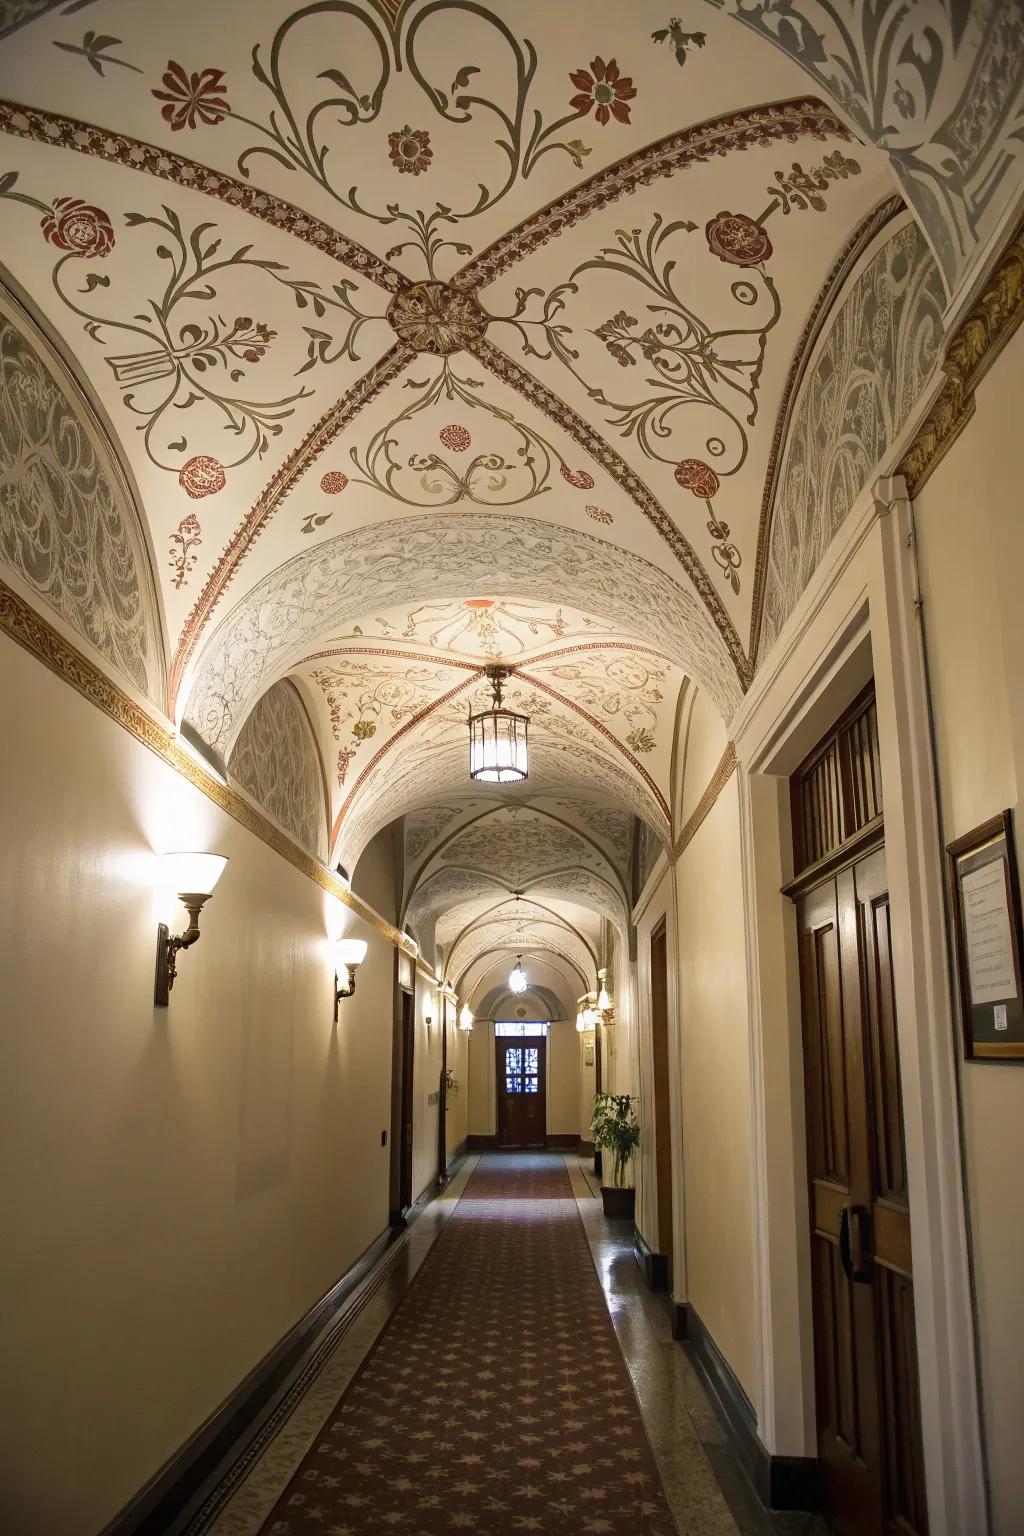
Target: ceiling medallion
[436, 317]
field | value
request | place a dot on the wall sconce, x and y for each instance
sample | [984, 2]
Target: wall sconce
[349, 955]
[465, 1020]
[193, 876]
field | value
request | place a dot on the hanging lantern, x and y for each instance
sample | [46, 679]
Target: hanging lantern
[465, 1019]
[517, 981]
[497, 738]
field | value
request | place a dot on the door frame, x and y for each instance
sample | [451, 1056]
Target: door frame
[858, 617]
[499, 1042]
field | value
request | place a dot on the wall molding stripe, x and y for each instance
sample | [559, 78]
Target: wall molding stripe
[974, 347]
[719, 779]
[29, 629]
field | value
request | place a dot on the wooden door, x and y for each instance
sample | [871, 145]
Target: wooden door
[662, 1091]
[405, 1153]
[521, 1083]
[866, 1388]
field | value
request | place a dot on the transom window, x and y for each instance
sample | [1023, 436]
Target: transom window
[516, 1029]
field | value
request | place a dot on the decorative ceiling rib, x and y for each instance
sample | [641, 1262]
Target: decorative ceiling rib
[455, 341]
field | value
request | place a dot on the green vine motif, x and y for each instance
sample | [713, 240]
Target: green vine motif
[295, 141]
[692, 365]
[430, 480]
[180, 363]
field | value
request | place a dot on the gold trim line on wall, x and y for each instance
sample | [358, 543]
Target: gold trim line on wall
[20, 621]
[719, 779]
[974, 347]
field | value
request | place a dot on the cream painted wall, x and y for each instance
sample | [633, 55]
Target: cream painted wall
[715, 1086]
[458, 1103]
[970, 536]
[178, 1186]
[426, 1065]
[482, 1105]
[564, 1057]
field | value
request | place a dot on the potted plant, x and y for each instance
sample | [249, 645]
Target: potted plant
[617, 1130]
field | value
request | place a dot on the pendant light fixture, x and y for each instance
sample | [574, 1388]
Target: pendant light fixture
[466, 1020]
[497, 737]
[517, 981]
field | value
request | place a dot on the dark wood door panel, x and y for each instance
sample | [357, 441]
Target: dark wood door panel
[520, 1070]
[867, 1397]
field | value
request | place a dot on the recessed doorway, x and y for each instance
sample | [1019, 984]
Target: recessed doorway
[521, 1083]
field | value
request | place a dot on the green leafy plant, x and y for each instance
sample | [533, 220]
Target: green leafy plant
[616, 1130]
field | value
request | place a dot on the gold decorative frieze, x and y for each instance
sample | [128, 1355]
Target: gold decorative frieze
[971, 352]
[31, 630]
[719, 779]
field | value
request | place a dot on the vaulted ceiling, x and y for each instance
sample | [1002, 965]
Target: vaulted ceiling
[431, 333]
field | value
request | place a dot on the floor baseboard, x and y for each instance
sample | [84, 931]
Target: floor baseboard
[654, 1265]
[780, 1482]
[162, 1499]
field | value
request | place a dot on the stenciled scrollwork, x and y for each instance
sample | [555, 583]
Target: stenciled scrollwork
[186, 354]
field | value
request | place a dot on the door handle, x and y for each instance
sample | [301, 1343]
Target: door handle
[853, 1253]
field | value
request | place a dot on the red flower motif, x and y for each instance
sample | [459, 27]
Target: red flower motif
[192, 99]
[696, 476]
[73, 225]
[733, 237]
[333, 482]
[456, 438]
[605, 89]
[410, 149]
[202, 476]
[578, 477]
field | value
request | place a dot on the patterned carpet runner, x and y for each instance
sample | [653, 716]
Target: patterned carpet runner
[496, 1401]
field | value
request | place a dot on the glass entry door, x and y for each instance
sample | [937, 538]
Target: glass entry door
[522, 1097]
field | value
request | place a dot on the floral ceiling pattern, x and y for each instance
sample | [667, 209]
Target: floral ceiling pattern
[439, 332]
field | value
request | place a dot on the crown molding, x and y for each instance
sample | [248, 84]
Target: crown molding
[973, 348]
[21, 622]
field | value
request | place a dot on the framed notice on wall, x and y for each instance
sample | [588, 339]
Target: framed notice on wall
[987, 920]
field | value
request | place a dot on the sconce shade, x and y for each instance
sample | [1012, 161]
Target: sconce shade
[589, 1018]
[580, 1024]
[194, 873]
[603, 1000]
[465, 1019]
[350, 952]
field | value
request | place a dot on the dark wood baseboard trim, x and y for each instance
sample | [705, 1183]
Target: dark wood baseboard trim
[162, 1499]
[654, 1265]
[680, 1320]
[565, 1141]
[586, 1147]
[780, 1482]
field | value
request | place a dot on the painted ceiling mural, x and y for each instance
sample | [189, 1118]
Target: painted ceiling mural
[277, 761]
[434, 333]
[69, 527]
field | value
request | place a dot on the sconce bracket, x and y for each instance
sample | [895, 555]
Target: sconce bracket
[167, 947]
[345, 991]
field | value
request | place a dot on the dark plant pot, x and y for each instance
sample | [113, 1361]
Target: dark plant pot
[619, 1204]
